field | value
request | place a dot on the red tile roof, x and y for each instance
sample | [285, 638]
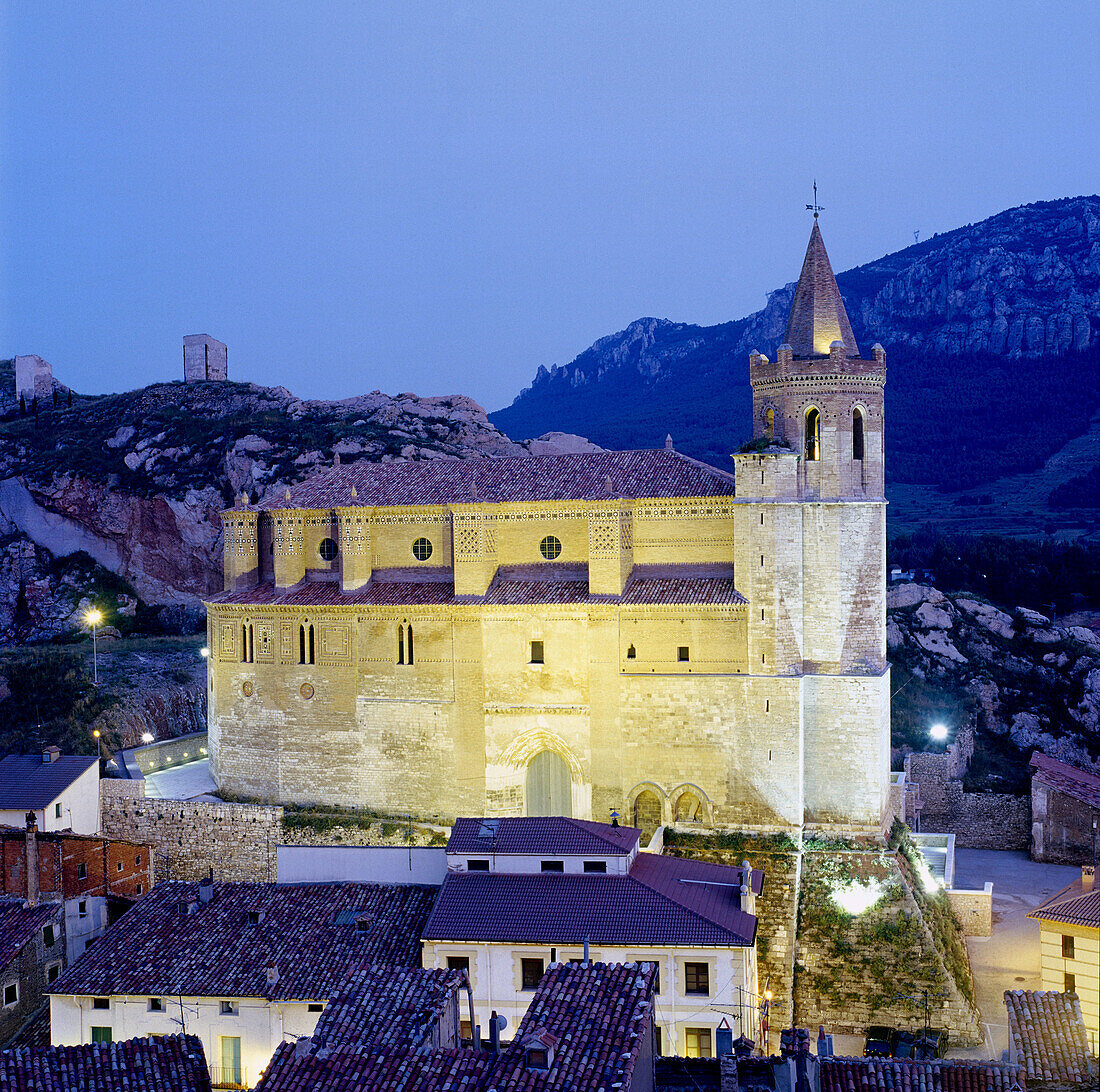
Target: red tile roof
[505, 590]
[655, 905]
[175, 1062]
[938, 1075]
[1080, 784]
[598, 1017]
[387, 1008]
[1072, 905]
[308, 932]
[19, 923]
[549, 836]
[586, 476]
[1048, 1033]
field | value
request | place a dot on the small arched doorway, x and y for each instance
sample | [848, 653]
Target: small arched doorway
[689, 809]
[647, 813]
[549, 789]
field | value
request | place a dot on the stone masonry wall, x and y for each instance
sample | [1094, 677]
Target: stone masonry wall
[237, 841]
[987, 820]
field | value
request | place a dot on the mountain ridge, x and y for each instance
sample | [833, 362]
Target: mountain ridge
[1017, 295]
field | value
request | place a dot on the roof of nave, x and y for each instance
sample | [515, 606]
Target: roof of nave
[595, 1018]
[584, 476]
[1048, 1032]
[818, 317]
[311, 934]
[536, 585]
[550, 834]
[662, 901]
[1080, 784]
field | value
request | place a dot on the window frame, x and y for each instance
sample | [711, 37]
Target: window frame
[538, 652]
[322, 549]
[550, 547]
[696, 971]
[595, 868]
[477, 864]
[552, 867]
[101, 1034]
[13, 986]
[228, 1007]
[699, 1034]
[527, 966]
[420, 543]
[156, 1004]
[1068, 946]
[683, 654]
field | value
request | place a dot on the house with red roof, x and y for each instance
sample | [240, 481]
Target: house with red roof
[1069, 946]
[589, 1027]
[568, 634]
[1065, 811]
[239, 965]
[522, 894]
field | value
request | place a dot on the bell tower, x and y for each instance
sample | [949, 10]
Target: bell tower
[810, 542]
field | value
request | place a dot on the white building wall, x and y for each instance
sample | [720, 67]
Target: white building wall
[497, 983]
[260, 1024]
[79, 806]
[524, 864]
[81, 925]
[360, 864]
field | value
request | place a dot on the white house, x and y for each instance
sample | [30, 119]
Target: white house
[61, 790]
[523, 893]
[240, 965]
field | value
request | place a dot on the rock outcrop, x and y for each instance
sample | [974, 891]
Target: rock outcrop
[1016, 675]
[135, 481]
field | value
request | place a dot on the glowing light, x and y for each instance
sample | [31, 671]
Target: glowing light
[94, 616]
[924, 874]
[767, 995]
[938, 732]
[857, 897]
[96, 733]
[204, 652]
[146, 737]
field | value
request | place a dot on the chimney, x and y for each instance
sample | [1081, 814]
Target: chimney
[496, 1025]
[206, 888]
[32, 859]
[1088, 874]
[272, 974]
[728, 1073]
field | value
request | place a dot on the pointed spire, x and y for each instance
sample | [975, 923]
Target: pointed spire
[817, 316]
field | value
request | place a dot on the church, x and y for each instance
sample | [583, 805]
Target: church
[621, 631]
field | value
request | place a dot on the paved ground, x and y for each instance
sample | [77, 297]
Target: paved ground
[185, 782]
[1009, 959]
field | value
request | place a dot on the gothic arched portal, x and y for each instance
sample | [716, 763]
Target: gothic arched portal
[549, 790]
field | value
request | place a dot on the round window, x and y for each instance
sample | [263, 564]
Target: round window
[327, 549]
[550, 547]
[422, 549]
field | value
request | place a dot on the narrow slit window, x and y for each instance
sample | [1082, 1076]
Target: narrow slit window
[857, 434]
[311, 660]
[538, 655]
[247, 647]
[813, 435]
[401, 644]
[409, 644]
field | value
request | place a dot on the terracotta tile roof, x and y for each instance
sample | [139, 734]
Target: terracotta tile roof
[1072, 905]
[387, 1008]
[508, 588]
[175, 1062]
[308, 932]
[1080, 784]
[1048, 1034]
[19, 923]
[26, 782]
[550, 835]
[651, 906]
[598, 1019]
[583, 476]
[938, 1075]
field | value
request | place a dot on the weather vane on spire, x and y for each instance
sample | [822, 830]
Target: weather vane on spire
[815, 208]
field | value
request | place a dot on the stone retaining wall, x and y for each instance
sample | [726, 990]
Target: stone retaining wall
[237, 841]
[987, 820]
[974, 909]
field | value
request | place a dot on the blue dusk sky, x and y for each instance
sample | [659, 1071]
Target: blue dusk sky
[440, 197]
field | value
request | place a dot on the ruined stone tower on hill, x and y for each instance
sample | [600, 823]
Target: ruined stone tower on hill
[571, 634]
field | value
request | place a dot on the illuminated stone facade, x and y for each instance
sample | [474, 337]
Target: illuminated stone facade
[572, 634]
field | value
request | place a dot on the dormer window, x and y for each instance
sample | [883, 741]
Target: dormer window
[595, 866]
[255, 917]
[538, 1058]
[553, 866]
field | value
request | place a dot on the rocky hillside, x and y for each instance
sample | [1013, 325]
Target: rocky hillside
[1021, 680]
[993, 339]
[134, 481]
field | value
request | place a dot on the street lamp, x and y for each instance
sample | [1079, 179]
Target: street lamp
[938, 732]
[99, 743]
[204, 652]
[93, 618]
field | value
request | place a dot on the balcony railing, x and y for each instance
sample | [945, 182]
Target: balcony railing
[228, 1076]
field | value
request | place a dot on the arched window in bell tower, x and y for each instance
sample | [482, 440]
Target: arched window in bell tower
[769, 421]
[813, 435]
[857, 433]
